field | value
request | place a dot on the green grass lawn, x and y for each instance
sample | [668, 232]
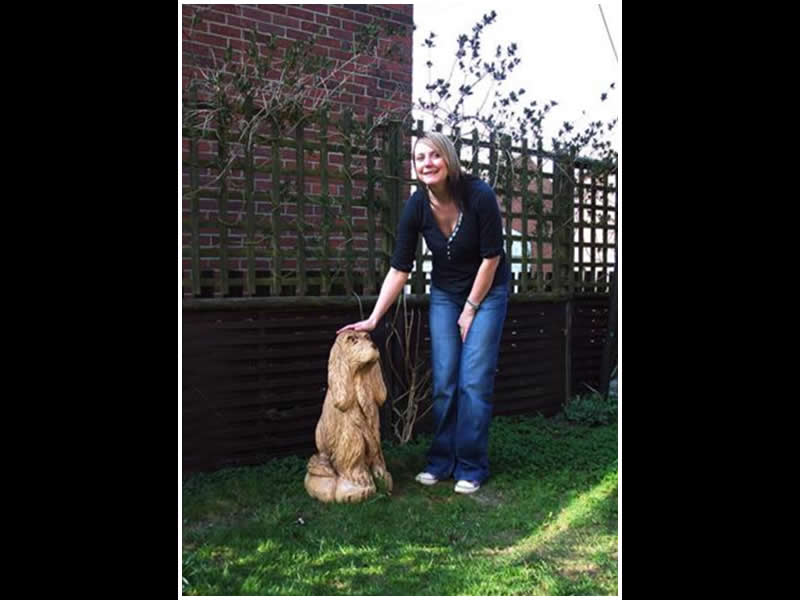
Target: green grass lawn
[544, 524]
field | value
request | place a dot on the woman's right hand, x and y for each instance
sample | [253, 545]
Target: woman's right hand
[367, 325]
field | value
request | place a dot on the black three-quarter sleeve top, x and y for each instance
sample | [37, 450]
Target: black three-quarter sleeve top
[478, 234]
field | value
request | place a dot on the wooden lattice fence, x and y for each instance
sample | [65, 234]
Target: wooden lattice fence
[316, 214]
[309, 215]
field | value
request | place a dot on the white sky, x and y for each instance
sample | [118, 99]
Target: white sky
[564, 46]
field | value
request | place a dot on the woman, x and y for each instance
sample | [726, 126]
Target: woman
[460, 221]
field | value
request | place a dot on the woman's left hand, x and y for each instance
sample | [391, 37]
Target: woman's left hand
[465, 322]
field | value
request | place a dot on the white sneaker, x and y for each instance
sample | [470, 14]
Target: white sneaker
[467, 487]
[426, 479]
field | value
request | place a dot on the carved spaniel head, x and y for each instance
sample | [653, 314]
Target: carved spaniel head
[354, 352]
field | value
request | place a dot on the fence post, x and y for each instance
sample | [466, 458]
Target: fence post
[540, 227]
[391, 387]
[222, 156]
[493, 159]
[457, 143]
[249, 200]
[325, 201]
[564, 224]
[275, 217]
[558, 224]
[611, 338]
[397, 171]
[569, 216]
[605, 228]
[348, 199]
[526, 199]
[391, 188]
[580, 244]
[568, 350]
[508, 203]
[593, 221]
[300, 246]
[418, 276]
[476, 147]
[195, 193]
[369, 282]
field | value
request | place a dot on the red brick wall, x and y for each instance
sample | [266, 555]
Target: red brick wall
[387, 85]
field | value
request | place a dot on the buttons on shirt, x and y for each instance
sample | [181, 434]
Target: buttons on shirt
[453, 235]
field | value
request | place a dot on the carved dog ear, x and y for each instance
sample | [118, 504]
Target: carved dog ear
[374, 382]
[340, 379]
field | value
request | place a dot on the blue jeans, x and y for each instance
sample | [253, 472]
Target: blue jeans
[463, 383]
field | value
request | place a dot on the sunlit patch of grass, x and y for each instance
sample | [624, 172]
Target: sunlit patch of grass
[544, 524]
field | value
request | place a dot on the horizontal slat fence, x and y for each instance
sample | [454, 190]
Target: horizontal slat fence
[588, 336]
[254, 379]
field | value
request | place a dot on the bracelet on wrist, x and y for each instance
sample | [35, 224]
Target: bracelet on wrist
[474, 306]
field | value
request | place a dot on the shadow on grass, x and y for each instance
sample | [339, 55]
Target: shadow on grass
[542, 526]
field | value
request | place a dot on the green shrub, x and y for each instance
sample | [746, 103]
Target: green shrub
[591, 409]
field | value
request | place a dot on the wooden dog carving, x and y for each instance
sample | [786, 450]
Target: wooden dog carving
[348, 432]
